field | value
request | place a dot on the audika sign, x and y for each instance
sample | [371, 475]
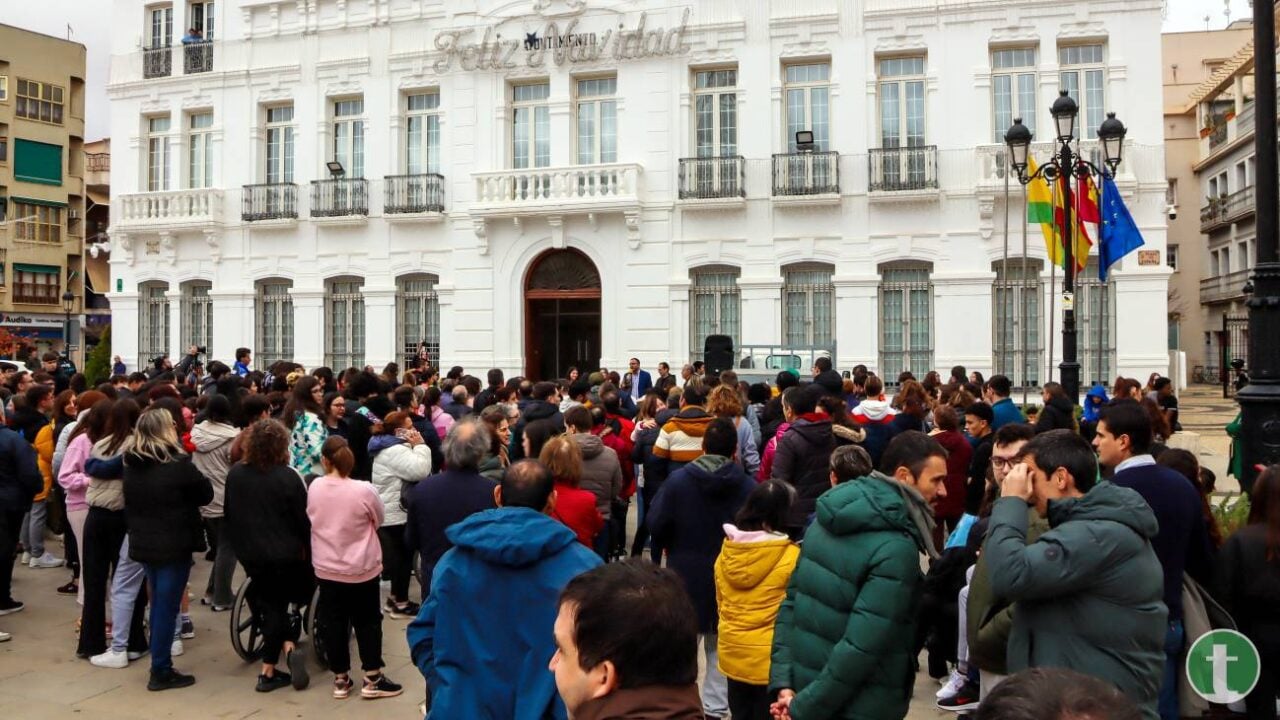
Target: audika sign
[534, 49]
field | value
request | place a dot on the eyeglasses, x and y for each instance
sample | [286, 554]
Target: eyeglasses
[1003, 463]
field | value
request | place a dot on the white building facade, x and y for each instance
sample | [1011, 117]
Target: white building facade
[540, 184]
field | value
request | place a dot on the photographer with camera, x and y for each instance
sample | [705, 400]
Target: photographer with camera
[190, 361]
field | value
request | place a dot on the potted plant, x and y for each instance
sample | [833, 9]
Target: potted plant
[1206, 131]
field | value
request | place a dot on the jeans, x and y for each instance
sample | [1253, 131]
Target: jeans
[604, 540]
[32, 534]
[224, 564]
[104, 534]
[748, 702]
[168, 583]
[342, 606]
[1174, 639]
[715, 688]
[397, 560]
[272, 590]
[128, 602]
[10, 523]
[75, 526]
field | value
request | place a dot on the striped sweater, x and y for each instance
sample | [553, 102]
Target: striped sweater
[680, 440]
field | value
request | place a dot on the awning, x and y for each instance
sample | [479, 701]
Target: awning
[99, 274]
[98, 198]
[47, 269]
[37, 201]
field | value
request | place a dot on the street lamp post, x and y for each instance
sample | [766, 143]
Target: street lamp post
[1064, 166]
[68, 304]
[1260, 399]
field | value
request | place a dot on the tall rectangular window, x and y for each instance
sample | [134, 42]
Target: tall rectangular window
[4, 88]
[1016, 298]
[36, 284]
[40, 101]
[200, 151]
[808, 101]
[279, 144]
[275, 322]
[158, 153]
[1096, 326]
[906, 319]
[197, 314]
[1082, 75]
[37, 223]
[901, 101]
[715, 305]
[348, 136]
[344, 320]
[200, 16]
[531, 126]
[597, 120]
[422, 133]
[1013, 89]
[153, 321]
[808, 305]
[160, 33]
[715, 111]
[417, 316]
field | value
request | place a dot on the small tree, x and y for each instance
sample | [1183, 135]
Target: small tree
[97, 368]
[10, 342]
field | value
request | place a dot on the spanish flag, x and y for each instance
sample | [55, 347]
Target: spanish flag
[1045, 207]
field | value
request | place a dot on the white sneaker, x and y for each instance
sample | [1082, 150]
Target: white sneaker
[6, 637]
[26, 558]
[46, 560]
[953, 685]
[176, 648]
[110, 659]
[135, 654]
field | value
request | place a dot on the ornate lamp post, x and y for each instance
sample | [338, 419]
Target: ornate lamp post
[1064, 166]
[68, 304]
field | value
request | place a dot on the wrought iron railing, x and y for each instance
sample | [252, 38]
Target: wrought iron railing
[713, 178]
[906, 168]
[270, 201]
[339, 197]
[35, 294]
[157, 61]
[197, 57]
[421, 193]
[97, 162]
[806, 173]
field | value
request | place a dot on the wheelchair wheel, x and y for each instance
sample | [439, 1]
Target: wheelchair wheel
[246, 634]
[311, 623]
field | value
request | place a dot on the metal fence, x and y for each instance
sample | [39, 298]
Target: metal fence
[713, 178]
[339, 197]
[1233, 344]
[907, 168]
[815, 173]
[414, 193]
[157, 61]
[271, 201]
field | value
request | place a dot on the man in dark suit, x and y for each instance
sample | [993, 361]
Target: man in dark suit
[636, 382]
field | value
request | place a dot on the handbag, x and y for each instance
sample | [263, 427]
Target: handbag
[1200, 614]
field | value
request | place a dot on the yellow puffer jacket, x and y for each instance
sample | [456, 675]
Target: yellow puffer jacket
[44, 459]
[751, 582]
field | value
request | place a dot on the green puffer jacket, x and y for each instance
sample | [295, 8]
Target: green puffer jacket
[844, 633]
[990, 618]
[1088, 594]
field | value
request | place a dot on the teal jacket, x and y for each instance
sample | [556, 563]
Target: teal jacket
[1088, 593]
[843, 638]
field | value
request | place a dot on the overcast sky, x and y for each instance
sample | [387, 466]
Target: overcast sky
[90, 24]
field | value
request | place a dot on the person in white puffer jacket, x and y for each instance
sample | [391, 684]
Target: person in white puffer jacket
[399, 456]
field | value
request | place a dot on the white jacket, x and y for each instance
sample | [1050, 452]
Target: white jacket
[393, 465]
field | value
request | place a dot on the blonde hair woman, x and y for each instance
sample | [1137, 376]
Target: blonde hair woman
[163, 492]
[725, 401]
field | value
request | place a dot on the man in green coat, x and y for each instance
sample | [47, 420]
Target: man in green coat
[842, 643]
[1088, 593]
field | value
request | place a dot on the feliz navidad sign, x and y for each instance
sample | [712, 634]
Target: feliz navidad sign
[534, 50]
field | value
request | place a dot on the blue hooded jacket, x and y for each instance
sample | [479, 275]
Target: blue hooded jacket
[484, 637]
[1090, 407]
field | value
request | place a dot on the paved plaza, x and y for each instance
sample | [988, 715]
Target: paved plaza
[40, 676]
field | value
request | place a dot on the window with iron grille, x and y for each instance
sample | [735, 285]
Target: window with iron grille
[279, 144]
[344, 321]
[348, 136]
[808, 305]
[1016, 299]
[1082, 75]
[714, 303]
[274, 310]
[1096, 326]
[808, 103]
[906, 319]
[153, 321]
[197, 314]
[417, 316]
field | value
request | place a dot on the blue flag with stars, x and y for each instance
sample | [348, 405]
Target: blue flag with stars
[1118, 234]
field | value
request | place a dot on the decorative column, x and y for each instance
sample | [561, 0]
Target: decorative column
[380, 325]
[309, 329]
[761, 320]
[235, 324]
[962, 333]
[124, 328]
[857, 320]
[177, 347]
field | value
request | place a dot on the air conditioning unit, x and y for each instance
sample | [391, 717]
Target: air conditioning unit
[73, 214]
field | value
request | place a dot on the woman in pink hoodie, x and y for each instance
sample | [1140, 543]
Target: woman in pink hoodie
[345, 515]
[72, 477]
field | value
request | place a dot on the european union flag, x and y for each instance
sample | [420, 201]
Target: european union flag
[1119, 234]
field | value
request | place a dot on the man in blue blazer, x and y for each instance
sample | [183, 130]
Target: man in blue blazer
[636, 382]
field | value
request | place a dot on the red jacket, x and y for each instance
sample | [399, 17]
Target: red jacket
[959, 453]
[576, 508]
[622, 445]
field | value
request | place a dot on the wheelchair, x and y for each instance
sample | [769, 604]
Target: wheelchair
[246, 631]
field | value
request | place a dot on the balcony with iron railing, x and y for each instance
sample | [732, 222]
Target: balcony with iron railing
[270, 202]
[903, 170]
[806, 178]
[35, 294]
[169, 210]
[413, 195]
[197, 57]
[340, 198]
[1226, 209]
[157, 61]
[1224, 288]
[97, 162]
[713, 181]
[607, 187]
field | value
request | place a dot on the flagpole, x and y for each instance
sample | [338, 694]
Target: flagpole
[1053, 283]
[1003, 275]
[1022, 306]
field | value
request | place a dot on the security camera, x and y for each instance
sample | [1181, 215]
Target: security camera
[1172, 210]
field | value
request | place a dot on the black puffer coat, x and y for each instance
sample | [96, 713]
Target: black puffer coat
[162, 508]
[803, 459]
[1057, 414]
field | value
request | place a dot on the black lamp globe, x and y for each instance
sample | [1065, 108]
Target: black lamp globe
[1018, 138]
[1112, 133]
[68, 301]
[1064, 111]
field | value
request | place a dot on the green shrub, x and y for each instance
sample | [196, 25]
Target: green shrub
[97, 368]
[1232, 513]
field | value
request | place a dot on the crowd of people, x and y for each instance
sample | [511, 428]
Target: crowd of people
[818, 540]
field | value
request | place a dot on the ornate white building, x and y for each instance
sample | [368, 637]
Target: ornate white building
[533, 184]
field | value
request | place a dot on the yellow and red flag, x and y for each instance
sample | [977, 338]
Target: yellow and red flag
[1046, 208]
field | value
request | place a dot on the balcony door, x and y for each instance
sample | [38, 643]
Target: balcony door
[562, 315]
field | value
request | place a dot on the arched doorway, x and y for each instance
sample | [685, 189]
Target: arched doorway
[562, 315]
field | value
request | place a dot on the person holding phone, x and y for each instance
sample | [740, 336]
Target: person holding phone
[400, 459]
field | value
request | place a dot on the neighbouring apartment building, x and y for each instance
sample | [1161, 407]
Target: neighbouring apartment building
[42, 193]
[553, 183]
